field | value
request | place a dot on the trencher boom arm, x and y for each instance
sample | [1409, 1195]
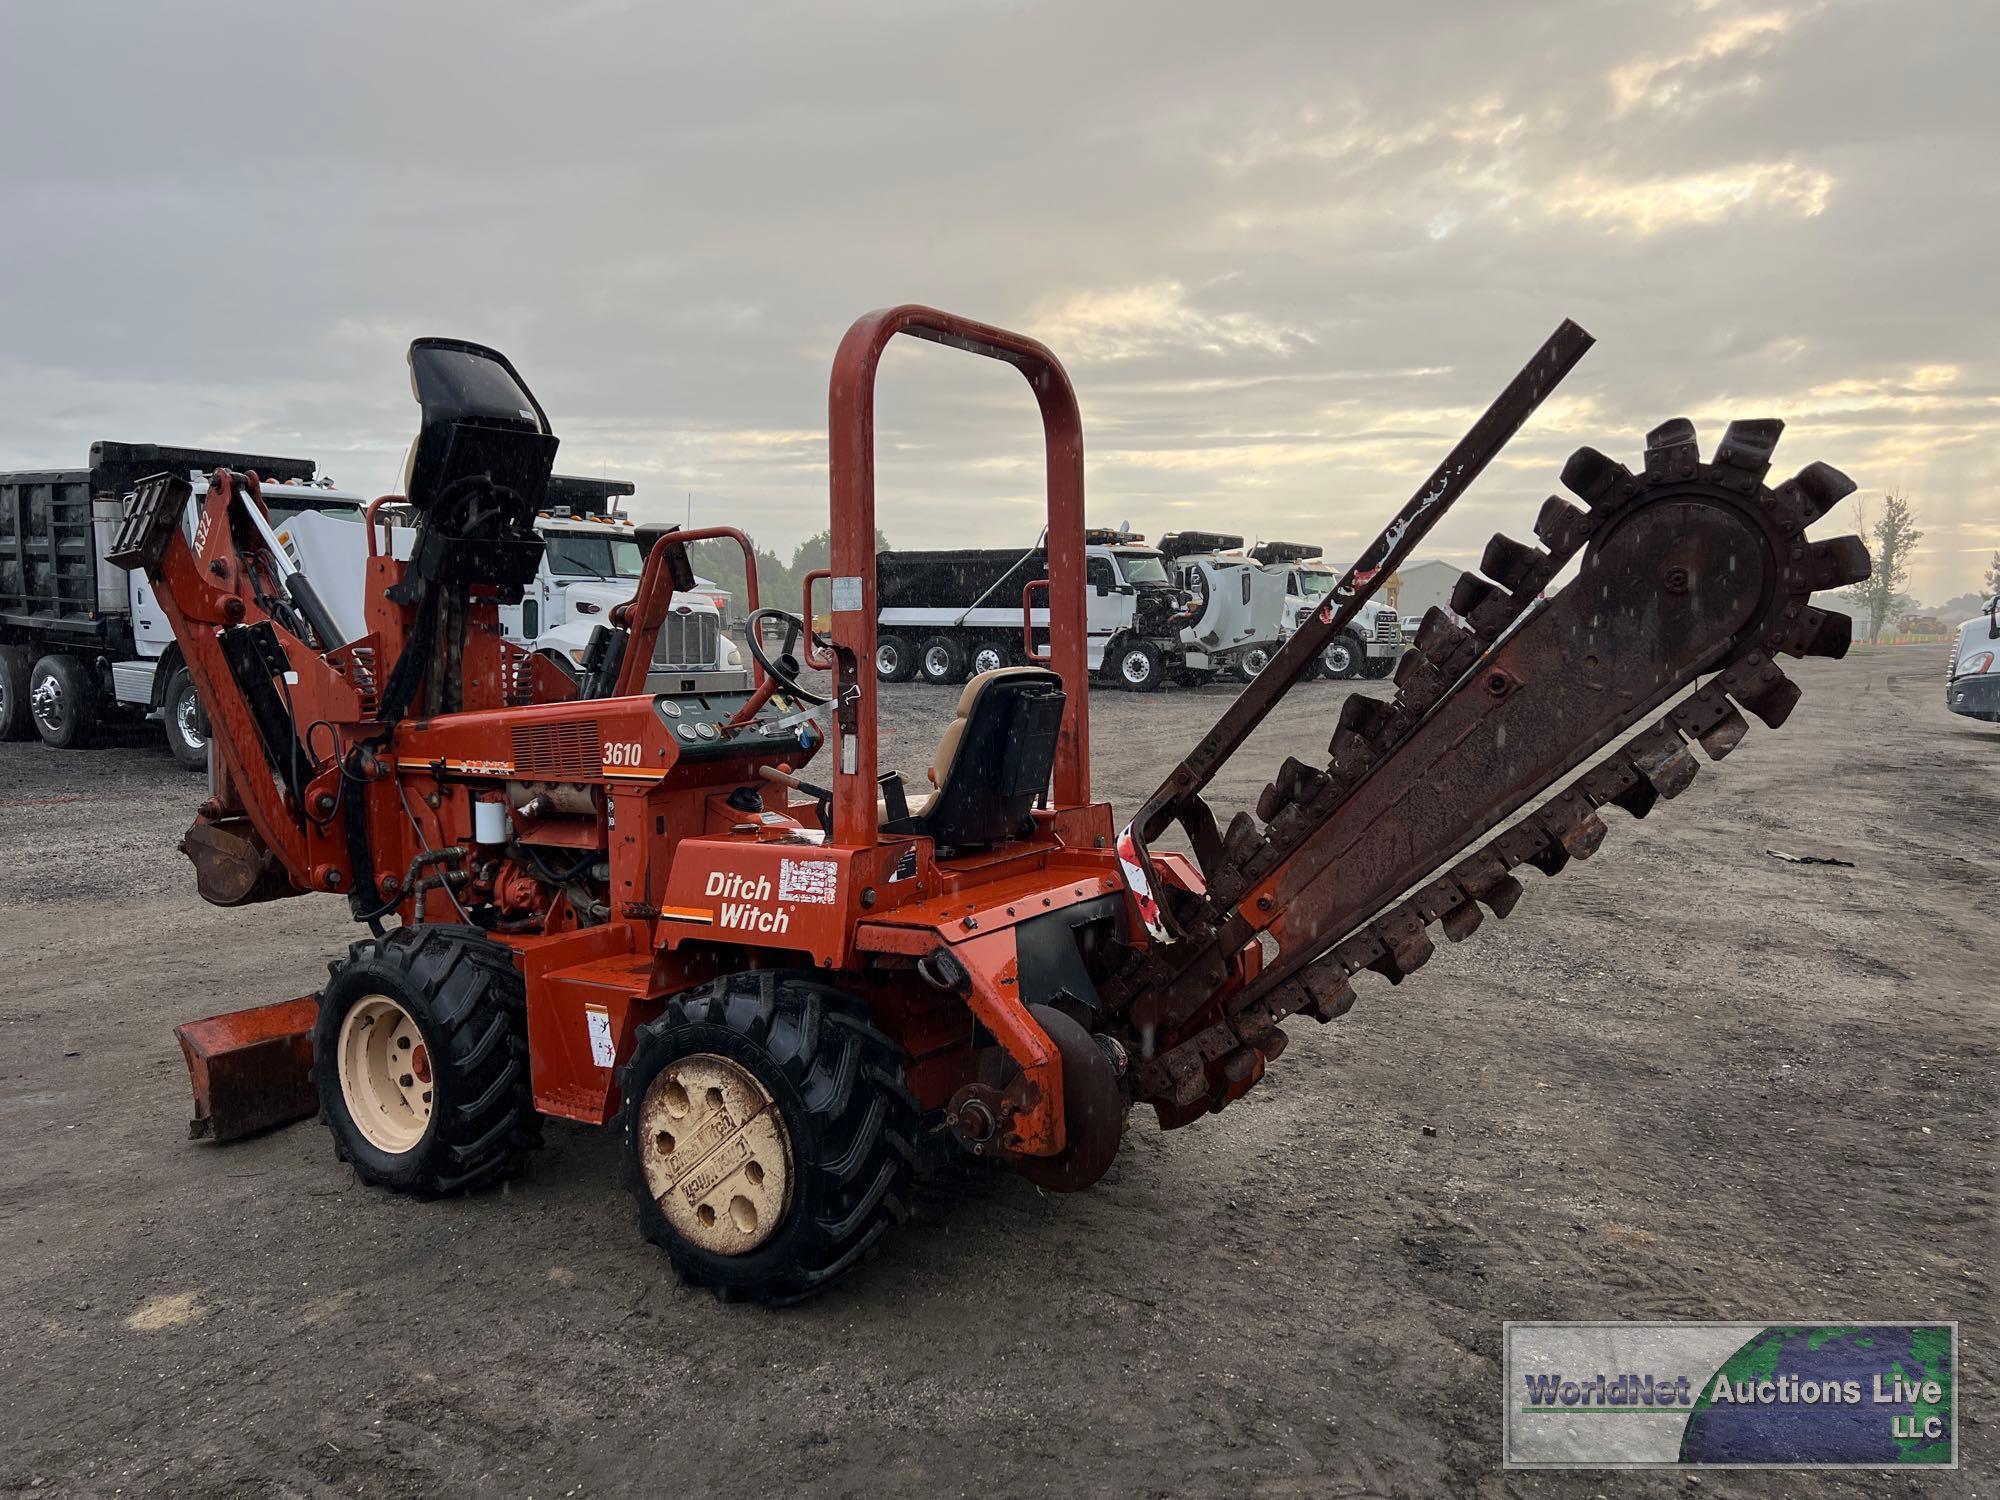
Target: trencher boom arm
[1179, 797]
[1687, 571]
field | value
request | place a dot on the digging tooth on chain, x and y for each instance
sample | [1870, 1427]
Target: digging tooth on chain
[1831, 634]
[1759, 686]
[1816, 488]
[1671, 450]
[1462, 920]
[1513, 565]
[1745, 451]
[1594, 478]
[1837, 562]
[1472, 596]
[1241, 840]
[1725, 736]
[1561, 526]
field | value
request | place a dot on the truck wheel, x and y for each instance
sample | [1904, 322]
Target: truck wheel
[421, 1059]
[990, 656]
[1380, 666]
[62, 700]
[1251, 664]
[1343, 657]
[767, 1135]
[15, 723]
[186, 721]
[943, 660]
[895, 659]
[1140, 667]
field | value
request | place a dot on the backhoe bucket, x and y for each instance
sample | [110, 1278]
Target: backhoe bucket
[251, 1069]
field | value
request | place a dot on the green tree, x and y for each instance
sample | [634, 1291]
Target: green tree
[1990, 584]
[1883, 597]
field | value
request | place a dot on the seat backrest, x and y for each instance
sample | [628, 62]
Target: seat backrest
[995, 758]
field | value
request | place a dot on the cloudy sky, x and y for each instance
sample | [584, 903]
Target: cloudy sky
[1287, 251]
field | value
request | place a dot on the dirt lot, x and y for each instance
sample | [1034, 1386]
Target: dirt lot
[1685, 1081]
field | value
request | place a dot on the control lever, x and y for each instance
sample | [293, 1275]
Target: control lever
[822, 797]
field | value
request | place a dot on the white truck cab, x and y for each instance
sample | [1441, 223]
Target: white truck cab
[1373, 642]
[1973, 687]
[1240, 616]
[590, 565]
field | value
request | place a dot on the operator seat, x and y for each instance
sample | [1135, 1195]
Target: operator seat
[992, 762]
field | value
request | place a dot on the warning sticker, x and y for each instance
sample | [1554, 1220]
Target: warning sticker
[846, 593]
[598, 1020]
[814, 882]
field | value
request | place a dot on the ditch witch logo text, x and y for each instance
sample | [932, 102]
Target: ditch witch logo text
[1730, 1394]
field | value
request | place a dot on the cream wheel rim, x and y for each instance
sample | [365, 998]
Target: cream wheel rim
[385, 1074]
[716, 1155]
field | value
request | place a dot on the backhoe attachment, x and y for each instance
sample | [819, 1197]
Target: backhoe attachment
[1690, 575]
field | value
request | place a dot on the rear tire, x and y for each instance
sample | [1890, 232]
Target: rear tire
[823, 1103]
[456, 998]
[895, 659]
[63, 700]
[1252, 663]
[1343, 657]
[186, 721]
[942, 661]
[15, 722]
[991, 656]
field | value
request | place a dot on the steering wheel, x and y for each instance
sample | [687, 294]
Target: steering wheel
[785, 670]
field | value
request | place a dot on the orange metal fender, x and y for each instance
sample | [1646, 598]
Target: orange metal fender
[991, 966]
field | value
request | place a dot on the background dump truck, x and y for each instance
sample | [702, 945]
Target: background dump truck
[1370, 646]
[83, 643]
[1973, 688]
[945, 616]
[1241, 617]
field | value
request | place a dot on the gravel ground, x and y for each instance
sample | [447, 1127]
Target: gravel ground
[1684, 1081]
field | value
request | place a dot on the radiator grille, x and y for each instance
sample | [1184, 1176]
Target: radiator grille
[687, 640]
[1388, 627]
[558, 751]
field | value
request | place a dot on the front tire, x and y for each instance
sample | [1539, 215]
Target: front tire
[1343, 657]
[942, 661]
[186, 722]
[15, 721]
[895, 659]
[767, 1134]
[63, 700]
[1138, 667]
[421, 1058]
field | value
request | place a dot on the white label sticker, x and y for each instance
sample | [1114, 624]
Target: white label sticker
[816, 882]
[846, 594]
[598, 1020]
